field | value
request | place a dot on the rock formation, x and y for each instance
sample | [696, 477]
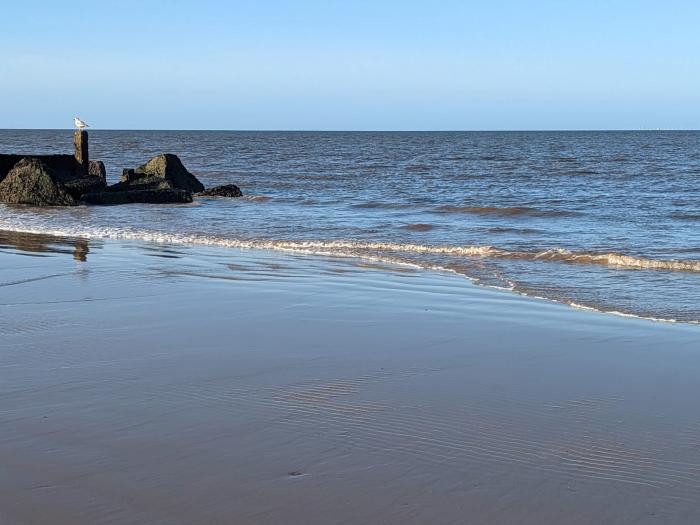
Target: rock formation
[162, 171]
[65, 180]
[97, 168]
[31, 181]
[163, 179]
[79, 186]
[153, 196]
[44, 180]
[227, 190]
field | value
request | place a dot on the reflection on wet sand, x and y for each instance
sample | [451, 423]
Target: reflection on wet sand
[81, 250]
[35, 244]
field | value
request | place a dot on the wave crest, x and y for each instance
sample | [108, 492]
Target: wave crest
[373, 249]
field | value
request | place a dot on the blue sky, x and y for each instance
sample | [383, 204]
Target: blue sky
[403, 65]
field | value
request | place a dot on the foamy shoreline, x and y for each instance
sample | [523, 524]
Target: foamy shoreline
[390, 253]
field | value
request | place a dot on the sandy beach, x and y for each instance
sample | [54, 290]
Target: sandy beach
[172, 384]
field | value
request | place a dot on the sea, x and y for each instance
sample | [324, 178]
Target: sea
[608, 221]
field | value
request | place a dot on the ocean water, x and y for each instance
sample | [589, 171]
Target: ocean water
[601, 220]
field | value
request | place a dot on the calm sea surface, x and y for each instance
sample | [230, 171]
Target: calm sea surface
[605, 220]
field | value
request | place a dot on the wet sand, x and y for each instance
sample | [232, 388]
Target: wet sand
[175, 385]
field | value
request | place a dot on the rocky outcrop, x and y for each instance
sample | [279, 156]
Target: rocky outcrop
[79, 186]
[166, 169]
[32, 182]
[64, 165]
[138, 181]
[227, 190]
[96, 168]
[63, 171]
[163, 179]
[153, 196]
[58, 180]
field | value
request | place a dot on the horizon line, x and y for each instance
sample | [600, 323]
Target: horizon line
[310, 130]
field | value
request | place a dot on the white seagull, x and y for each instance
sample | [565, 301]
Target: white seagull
[79, 123]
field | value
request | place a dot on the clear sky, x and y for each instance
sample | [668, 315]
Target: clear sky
[352, 64]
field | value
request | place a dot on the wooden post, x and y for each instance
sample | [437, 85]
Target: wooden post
[81, 149]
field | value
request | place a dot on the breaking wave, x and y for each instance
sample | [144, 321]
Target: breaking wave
[361, 249]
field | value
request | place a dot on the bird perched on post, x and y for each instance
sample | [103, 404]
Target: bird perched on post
[79, 123]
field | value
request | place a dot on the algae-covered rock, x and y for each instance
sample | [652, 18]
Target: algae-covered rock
[153, 196]
[96, 168]
[227, 190]
[30, 181]
[166, 167]
[79, 186]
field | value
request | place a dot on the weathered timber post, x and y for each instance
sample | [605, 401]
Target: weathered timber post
[81, 149]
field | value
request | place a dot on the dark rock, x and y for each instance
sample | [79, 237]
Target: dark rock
[142, 183]
[31, 181]
[60, 180]
[227, 190]
[64, 172]
[166, 167]
[131, 176]
[63, 165]
[79, 186]
[163, 179]
[96, 168]
[155, 196]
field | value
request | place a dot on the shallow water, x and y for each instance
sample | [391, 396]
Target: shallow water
[604, 220]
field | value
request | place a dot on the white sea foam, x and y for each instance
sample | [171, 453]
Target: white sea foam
[359, 248]
[386, 252]
[624, 314]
